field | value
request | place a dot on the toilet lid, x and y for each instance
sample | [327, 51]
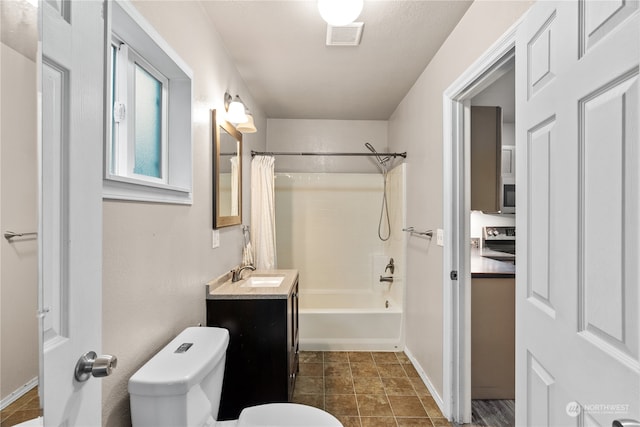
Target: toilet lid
[286, 414]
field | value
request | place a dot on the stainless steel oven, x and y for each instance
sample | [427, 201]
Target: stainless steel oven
[499, 242]
[499, 239]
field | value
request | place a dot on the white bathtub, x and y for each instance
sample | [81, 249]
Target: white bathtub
[349, 321]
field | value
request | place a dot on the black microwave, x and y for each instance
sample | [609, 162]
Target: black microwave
[508, 199]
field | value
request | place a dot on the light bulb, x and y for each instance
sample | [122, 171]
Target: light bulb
[236, 112]
[340, 12]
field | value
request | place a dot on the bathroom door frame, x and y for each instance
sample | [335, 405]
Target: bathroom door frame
[487, 69]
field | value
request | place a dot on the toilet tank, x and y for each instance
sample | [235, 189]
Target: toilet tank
[181, 385]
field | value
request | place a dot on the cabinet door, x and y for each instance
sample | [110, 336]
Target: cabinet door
[508, 163]
[257, 366]
[493, 338]
[293, 339]
[486, 137]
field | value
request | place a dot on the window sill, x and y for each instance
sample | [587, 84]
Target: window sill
[121, 188]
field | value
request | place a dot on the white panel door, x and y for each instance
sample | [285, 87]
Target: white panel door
[578, 216]
[71, 206]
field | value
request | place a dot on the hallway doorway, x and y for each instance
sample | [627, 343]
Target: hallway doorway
[475, 87]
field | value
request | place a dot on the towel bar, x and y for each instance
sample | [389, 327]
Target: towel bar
[412, 230]
[11, 234]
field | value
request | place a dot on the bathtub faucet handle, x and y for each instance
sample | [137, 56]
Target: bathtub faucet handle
[390, 266]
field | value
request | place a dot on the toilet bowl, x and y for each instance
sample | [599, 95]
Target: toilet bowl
[181, 386]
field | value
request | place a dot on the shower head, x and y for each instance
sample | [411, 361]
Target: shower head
[373, 150]
[384, 208]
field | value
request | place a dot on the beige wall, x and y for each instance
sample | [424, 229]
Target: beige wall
[416, 126]
[157, 257]
[326, 135]
[327, 228]
[19, 213]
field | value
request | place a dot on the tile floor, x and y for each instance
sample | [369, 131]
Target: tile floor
[25, 408]
[362, 389]
[367, 389]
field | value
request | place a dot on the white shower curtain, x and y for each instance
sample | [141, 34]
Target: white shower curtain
[263, 213]
[235, 184]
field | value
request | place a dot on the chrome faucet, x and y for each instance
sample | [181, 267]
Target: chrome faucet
[390, 266]
[236, 275]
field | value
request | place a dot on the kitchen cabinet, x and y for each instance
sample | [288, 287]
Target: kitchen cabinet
[493, 338]
[262, 357]
[486, 163]
[508, 171]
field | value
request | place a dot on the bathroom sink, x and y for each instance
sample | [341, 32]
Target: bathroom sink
[262, 282]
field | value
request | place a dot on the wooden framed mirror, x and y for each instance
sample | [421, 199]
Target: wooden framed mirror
[227, 173]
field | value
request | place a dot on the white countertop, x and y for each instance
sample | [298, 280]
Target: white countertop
[223, 288]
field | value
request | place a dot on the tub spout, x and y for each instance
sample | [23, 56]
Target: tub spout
[388, 279]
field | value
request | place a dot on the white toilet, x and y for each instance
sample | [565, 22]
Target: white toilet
[182, 384]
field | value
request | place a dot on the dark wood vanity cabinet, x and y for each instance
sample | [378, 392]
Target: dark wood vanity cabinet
[262, 357]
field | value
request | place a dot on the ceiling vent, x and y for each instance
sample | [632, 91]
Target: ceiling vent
[346, 35]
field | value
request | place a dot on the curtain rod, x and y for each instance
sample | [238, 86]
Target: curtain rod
[281, 153]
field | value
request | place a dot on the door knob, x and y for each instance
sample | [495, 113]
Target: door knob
[626, 423]
[90, 364]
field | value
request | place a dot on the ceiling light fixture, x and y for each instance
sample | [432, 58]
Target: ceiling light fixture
[340, 12]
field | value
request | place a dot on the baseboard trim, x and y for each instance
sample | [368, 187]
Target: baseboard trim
[425, 379]
[17, 394]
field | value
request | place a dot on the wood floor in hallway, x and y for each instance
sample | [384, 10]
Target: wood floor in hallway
[492, 413]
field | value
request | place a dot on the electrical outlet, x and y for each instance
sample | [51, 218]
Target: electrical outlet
[215, 239]
[440, 237]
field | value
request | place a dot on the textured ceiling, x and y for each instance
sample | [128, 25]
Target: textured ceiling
[19, 27]
[279, 50]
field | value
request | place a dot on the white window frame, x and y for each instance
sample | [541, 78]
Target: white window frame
[138, 43]
[123, 138]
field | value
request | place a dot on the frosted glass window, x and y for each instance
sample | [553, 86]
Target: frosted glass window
[139, 117]
[149, 152]
[112, 100]
[148, 124]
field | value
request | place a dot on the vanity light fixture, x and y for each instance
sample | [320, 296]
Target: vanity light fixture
[340, 12]
[237, 112]
[235, 109]
[247, 127]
